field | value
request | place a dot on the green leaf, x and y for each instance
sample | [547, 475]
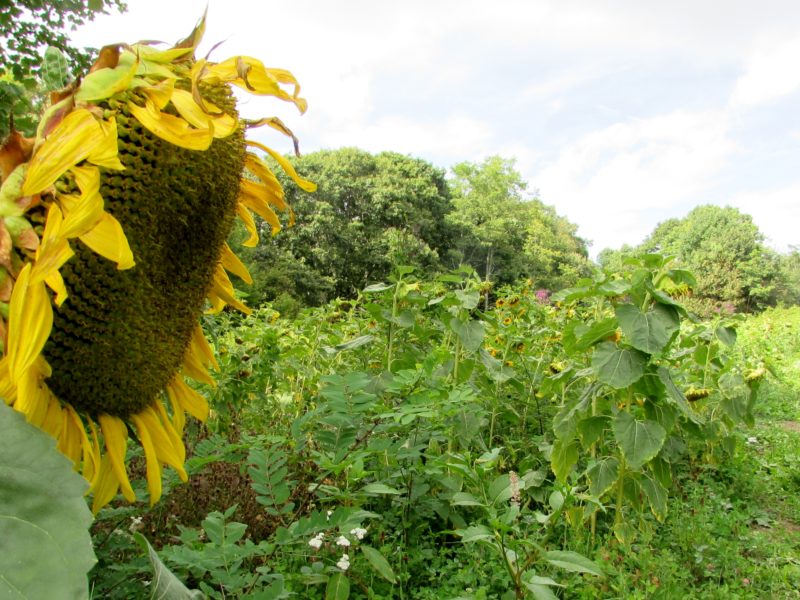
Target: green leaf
[44, 519]
[602, 476]
[656, 496]
[361, 340]
[165, 585]
[470, 333]
[563, 457]
[55, 71]
[618, 367]
[649, 331]
[591, 429]
[676, 395]
[379, 563]
[377, 287]
[338, 587]
[597, 332]
[380, 488]
[539, 591]
[475, 533]
[465, 499]
[726, 335]
[573, 562]
[639, 440]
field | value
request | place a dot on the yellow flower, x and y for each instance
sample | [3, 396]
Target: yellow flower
[500, 303]
[507, 321]
[113, 223]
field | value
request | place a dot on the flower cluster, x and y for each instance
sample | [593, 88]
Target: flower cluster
[342, 542]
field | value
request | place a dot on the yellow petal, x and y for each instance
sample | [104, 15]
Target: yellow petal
[259, 168]
[116, 438]
[308, 186]
[105, 154]
[173, 129]
[72, 141]
[222, 124]
[232, 264]
[201, 347]
[32, 400]
[73, 435]
[194, 368]
[249, 225]
[82, 212]
[172, 432]
[53, 421]
[29, 323]
[161, 93]
[91, 457]
[105, 485]
[162, 441]
[108, 239]
[222, 288]
[188, 399]
[151, 459]
[255, 196]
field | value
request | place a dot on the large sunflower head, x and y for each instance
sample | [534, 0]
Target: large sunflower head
[113, 228]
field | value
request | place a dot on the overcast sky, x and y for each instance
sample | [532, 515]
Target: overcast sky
[620, 113]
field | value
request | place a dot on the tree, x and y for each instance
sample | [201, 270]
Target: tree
[27, 26]
[725, 251]
[369, 213]
[506, 235]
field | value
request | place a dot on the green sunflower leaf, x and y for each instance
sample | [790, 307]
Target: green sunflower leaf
[44, 519]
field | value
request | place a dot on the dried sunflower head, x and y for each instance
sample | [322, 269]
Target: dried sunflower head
[113, 228]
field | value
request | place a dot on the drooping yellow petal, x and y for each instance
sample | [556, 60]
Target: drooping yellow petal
[160, 94]
[222, 289]
[30, 321]
[105, 154]
[33, 399]
[258, 168]
[304, 184]
[173, 129]
[172, 432]
[105, 484]
[233, 265]
[190, 400]
[200, 347]
[255, 196]
[82, 212]
[72, 141]
[162, 441]
[53, 421]
[222, 124]
[107, 238]
[193, 367]
[73, 435]
[8, 389]
[249, 225]
[115, 435]
[151, 459]
[91, 457]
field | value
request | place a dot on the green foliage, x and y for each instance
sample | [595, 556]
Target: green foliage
[506, 236]
[44, 519]
[28, 25]
[726, 251]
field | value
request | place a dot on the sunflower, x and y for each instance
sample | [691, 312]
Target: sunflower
[113, 228]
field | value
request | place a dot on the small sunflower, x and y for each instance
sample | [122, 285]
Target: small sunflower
[113, 228]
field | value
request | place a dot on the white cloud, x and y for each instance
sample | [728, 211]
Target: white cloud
[771, 72]
[608, 180]
[776, 212]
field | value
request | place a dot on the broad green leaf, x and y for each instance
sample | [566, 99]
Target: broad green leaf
[475, 533]
[602, 476]
[354, 343]
[165, 585]
[726, 335]
[338, 587]
[617, 367]
[539, 591]
[591, 429]
[573, 562]
[377, 287]
[379, 563]
[563, 457]
[380, 488]
[649, 331]
[597, 332]
[468, 298]
[639, 440]
[44, 519]
[500, 489]
[656, 497]
[625, 533]
[470, 333]
[676, 395]
[465, 499]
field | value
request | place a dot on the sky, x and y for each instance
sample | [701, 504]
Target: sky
[620, 114]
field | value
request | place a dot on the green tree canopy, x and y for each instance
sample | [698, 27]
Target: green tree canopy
[369, 212]
[726, 252]
[507, 235]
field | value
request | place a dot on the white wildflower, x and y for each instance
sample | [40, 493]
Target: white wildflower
[513, 481]
[342, 541]
[359, 533]
[136, 524]
[330, 512]
[316, 541]
[752, 440]
[344, 562]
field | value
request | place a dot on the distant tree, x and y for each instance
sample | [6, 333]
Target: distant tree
[369, 213]
[724, 249]
[507, 235]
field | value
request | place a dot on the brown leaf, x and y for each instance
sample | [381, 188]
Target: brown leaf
[16, 150]
[107, 59]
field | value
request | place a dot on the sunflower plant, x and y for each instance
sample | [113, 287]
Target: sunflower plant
[113, 226]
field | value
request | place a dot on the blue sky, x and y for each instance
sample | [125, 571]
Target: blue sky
[620, 113]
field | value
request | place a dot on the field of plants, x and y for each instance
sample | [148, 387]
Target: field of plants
[438, 439]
